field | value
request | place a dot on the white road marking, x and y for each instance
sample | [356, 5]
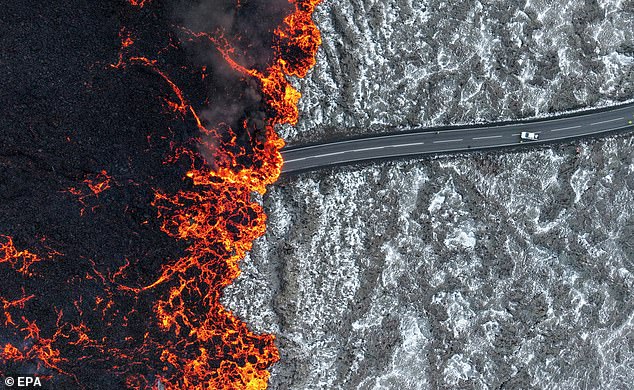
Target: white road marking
[431, 133]
[566, 128]
[363, 149]
[295, 159]
[404, 134]
[520, 123]
[455, 150]
[351, 151]
[317, 156]
[609, 120]
[403, 145]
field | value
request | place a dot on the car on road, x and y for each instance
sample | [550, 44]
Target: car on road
[529, 136]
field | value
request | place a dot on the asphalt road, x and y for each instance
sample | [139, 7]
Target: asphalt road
[457, 139]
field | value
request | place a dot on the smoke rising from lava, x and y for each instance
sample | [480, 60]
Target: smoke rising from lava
[248, 28]
[138, 312]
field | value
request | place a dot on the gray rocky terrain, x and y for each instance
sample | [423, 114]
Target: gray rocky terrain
[479, 271]
[397, 64]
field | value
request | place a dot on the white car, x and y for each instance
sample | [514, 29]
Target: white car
[529, 136]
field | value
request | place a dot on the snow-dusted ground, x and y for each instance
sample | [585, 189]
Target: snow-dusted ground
[397, 64]
[462, 271]
[480, 271]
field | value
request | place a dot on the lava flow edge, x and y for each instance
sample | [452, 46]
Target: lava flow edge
[199, 344]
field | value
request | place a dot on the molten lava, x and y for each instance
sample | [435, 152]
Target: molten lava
[94, 184]
[220, 221]
[138, 3]
[20, 261]
[190, 341]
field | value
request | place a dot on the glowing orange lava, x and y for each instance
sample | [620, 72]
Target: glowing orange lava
[33, 347]
[95, 185]
[20, 261]
[190, 340]
[220, 221]
[138, 3]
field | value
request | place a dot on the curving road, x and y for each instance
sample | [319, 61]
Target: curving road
[457, 139]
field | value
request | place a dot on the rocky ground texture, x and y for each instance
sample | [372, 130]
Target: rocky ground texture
[397, 64]
[484, 270]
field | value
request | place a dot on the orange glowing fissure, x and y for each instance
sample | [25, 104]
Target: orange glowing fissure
[199, 343]
[138, 3]
[95, 184]
[220, 221]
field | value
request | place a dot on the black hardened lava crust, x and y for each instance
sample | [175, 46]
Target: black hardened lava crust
[67, 115]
